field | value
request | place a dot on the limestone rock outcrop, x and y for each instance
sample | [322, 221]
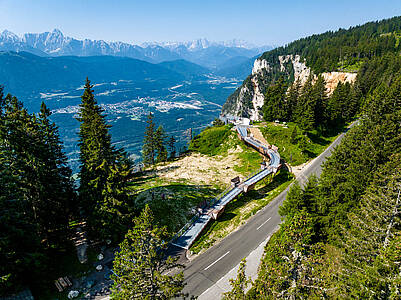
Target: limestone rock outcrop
[247, 101]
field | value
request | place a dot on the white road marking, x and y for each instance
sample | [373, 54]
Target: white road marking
[263, 223]
[216, 261]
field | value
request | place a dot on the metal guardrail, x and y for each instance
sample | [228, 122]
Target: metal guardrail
[229, 189]
[211, 203]
[185, 227]
[253, 174]
[219, 196]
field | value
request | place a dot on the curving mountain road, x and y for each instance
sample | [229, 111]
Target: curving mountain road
[205, 270]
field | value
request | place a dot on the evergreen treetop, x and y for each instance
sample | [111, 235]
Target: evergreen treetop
[140, 266]
[104, 172]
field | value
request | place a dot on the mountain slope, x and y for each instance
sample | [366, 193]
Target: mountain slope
[342, 50]
[186, 68]
[11, 42]
[216, 55]
[25, 73]
[237, 67]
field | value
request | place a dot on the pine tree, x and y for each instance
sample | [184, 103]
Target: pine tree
[319, 101]
[354, 101]
[217, 122]
[293, 202]
[338, 105]
[44, 176]
[303, 143]
[305, 110]
[274, 106]
[104, 173]
[294, 135]
[291, 100]
[149, 143]
[19, 240]
[58, 193]
[371, 258]
[36, 191]
[140, 265]
[160, 139]
[291, 261]
[299, 199]
[171, 147]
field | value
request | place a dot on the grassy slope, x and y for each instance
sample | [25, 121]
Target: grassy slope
[172, 202]
[211, 141]
[242, 208]
[219, 141]
[292, 153]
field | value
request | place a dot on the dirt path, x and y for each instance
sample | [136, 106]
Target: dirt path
[81, 242]
[202, 169]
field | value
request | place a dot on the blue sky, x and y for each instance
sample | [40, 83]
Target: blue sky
[260, 22]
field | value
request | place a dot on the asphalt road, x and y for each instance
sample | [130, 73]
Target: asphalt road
[205, 270]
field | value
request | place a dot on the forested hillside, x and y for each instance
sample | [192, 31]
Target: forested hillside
[37, 195]
[342, 50]
[341, 232]
[332, 51]
[341, 235]
[41, 207]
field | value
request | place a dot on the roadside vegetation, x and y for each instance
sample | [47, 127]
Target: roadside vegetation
[294, 146]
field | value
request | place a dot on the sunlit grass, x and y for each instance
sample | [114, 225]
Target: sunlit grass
[289, 148]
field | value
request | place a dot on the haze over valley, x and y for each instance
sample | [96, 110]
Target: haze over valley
[184, 84]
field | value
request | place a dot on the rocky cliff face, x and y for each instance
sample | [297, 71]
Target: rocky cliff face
[248, 99]
[333, 78]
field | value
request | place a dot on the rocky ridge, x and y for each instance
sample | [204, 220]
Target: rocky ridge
[55, 43]
[248, 99]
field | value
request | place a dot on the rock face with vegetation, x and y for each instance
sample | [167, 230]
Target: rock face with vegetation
[251, 97]
[337, 56]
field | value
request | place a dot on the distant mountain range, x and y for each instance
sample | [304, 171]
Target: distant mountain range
[24, 73]
[212, 55]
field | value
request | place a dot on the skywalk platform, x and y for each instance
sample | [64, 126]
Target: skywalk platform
[187, 238]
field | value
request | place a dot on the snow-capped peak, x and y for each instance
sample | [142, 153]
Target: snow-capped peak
[9, 36]
[55, 43]
[57, 32]
[199, 44]
[202, 44]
